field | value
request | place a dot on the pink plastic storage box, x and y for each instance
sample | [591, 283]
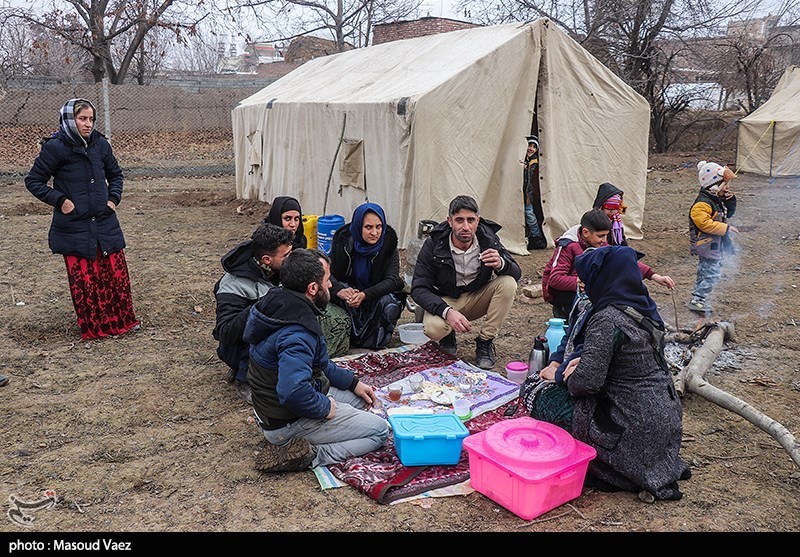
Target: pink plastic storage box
[528, 466]
[428, 439]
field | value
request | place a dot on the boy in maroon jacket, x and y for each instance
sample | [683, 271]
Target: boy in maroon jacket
[560, 279]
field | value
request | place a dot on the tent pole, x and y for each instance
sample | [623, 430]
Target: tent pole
[736, 154]
[772, 149]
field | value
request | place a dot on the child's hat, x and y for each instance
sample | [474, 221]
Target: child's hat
[533, 139]
[710, 174]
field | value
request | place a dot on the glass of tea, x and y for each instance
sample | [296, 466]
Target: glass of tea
[395, 392]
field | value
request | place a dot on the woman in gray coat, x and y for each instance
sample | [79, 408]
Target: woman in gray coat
[624, 402]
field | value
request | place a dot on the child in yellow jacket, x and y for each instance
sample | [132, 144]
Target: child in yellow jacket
[709, 232]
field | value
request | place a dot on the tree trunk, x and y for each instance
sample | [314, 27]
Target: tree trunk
[692, 379]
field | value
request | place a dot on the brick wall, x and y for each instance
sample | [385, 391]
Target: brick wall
[387, 32]
[276, 70]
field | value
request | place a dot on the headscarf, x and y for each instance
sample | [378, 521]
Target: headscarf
[66, 120]
[280, 205]
[364, 252]
[611, 275]
[614, 203]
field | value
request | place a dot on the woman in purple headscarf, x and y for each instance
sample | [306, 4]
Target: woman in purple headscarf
[365, 273]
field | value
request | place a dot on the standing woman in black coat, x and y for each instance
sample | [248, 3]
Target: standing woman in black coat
[87, 187]
[365, 274]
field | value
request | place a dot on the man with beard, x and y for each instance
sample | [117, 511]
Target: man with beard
[463, 273]
[311, 411]
[251, 269]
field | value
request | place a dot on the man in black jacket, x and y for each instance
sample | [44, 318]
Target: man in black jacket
[464, 273]
[251, 269]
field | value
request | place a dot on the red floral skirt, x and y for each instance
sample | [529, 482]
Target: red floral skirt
[101, 293]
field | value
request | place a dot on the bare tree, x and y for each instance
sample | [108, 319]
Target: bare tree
[113, 32]
[199, 54]
[757, 58]
[348, 22]
[628, 36]
[16, 39]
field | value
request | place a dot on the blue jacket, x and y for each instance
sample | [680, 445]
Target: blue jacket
[89, 177]
[290, 372]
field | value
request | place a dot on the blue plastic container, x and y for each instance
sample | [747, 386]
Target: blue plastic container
[327, 225]
[555, 332]
[428, 439]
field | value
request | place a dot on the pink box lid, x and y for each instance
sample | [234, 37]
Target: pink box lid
[531, 449]
[516, 366]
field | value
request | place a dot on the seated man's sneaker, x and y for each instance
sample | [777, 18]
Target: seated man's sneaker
[448, 343]
[294, 456]
[484, 353]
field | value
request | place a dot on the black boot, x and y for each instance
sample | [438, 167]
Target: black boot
[484, 353]
[448, 343]
[537, 242]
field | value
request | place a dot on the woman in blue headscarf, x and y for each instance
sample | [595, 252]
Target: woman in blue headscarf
[623, 401]
[365, 273]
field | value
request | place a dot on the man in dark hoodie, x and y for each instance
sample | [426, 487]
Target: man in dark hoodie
[251, 269]
[311, 411]
[464, 273]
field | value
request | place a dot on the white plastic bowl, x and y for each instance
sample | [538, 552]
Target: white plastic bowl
[411, 333]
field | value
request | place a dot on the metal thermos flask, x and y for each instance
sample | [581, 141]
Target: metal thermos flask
[538, 356]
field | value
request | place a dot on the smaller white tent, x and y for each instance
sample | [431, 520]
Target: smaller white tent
[769, 138]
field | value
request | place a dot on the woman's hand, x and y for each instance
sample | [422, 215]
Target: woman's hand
[346, 293]
[548, 373]
[571, 367]
[357, 299]
[67, 207]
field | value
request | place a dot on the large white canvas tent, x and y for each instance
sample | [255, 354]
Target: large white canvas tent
[411, 124]
[769, 138]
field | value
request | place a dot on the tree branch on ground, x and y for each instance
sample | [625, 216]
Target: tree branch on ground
[692, 379]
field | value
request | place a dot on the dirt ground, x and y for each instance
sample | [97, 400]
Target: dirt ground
[141, 432]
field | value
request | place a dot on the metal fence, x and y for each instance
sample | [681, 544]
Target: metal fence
[179, 127]
[182, 126]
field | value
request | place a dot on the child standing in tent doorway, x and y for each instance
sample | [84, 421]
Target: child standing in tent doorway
[709, 233]
[534, 216]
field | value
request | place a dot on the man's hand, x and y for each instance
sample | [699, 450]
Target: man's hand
[457, 320]
[367, 393]
[664, 280]
[67, 207]
[112, 205]
[332, 413]
[733, 229]
[491, 258]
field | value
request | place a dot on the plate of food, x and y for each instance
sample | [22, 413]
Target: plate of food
[444, 396]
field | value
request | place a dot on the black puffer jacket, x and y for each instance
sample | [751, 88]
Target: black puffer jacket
[88, 176]
[385, 275]
[435, 272]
